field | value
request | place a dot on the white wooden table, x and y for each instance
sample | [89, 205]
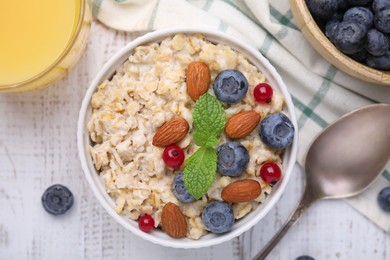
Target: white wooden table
[38, 149]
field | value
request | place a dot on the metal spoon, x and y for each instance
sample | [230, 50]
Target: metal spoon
[343, 161]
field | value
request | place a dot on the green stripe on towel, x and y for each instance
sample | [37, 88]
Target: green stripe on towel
[222, 26]
[317, 98]
[207, 5]
[153, 16]
[302, 107]
[386, 174]
[266, 44]
[283, 19]
[241, 11]
[96, 7]
[281, 34]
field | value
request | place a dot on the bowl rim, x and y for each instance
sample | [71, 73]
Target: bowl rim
[328, 50]
[117, 60]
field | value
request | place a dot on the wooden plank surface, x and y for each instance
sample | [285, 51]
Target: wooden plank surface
[38, 149]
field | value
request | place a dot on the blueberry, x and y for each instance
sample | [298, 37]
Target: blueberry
[377, 43]
[359, 56]
[382, 21]
[343, 5]
[350, 37]
[337, 16]
[178, 189]
[57, 199]
[323, 9]
[384, 199]
[330, 28]
[233, 158]
[379, 62]
[379, 5]
[276, 131]
[358, 2]
[304, 257]
[218, 217]
[360, 15]
[230, 86]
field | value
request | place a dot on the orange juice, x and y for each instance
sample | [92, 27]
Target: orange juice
[33, 36]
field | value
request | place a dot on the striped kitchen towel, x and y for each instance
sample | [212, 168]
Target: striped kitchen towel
[321, 93]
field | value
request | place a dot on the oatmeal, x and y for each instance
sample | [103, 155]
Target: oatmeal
[150, 89]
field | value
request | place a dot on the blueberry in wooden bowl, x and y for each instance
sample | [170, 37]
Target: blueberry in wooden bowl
[353, 35]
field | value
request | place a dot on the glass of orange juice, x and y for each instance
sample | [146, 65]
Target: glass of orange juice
[40, 41]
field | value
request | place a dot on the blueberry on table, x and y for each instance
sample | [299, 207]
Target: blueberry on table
[218, 217]
[384, 199]
[382, 21]
[233, 158]
[350, 37]
[377, 43]
[57, 199]
[379, 5]
[276, 131]
[304, 257]
[230, 86]
[360, 15]
[379, 62]
[323, 9]
[178, 189]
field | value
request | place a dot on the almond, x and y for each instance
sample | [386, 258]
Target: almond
[197, 79]
[242, 124]
[173, 221]
[241, 191]
[171, 132]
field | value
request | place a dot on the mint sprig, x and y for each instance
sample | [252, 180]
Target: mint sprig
[209, 120]
[205, 139]
[200, 168]
[199, 171]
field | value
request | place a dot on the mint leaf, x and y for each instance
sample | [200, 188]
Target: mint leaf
[199, 171]
[205, 139]
[209, 119]
[200, 168]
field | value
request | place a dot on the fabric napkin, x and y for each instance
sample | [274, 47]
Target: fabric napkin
[321, 93]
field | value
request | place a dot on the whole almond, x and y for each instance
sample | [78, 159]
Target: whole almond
[242, 124]
[171, 132]
[197, 79]
[241, 191]
[173, 221]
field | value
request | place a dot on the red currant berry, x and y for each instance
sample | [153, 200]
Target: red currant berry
[146, 223]
[173, 156]
[263, 93]
[270, 172]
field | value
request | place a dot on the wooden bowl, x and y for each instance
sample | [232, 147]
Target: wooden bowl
[321, 44]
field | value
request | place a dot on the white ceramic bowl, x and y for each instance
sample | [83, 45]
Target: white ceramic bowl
[96, 184]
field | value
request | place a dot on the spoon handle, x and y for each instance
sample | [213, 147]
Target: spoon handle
[303, 205]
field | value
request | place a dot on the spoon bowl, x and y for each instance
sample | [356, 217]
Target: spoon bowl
[349, 154]
[344, 159]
